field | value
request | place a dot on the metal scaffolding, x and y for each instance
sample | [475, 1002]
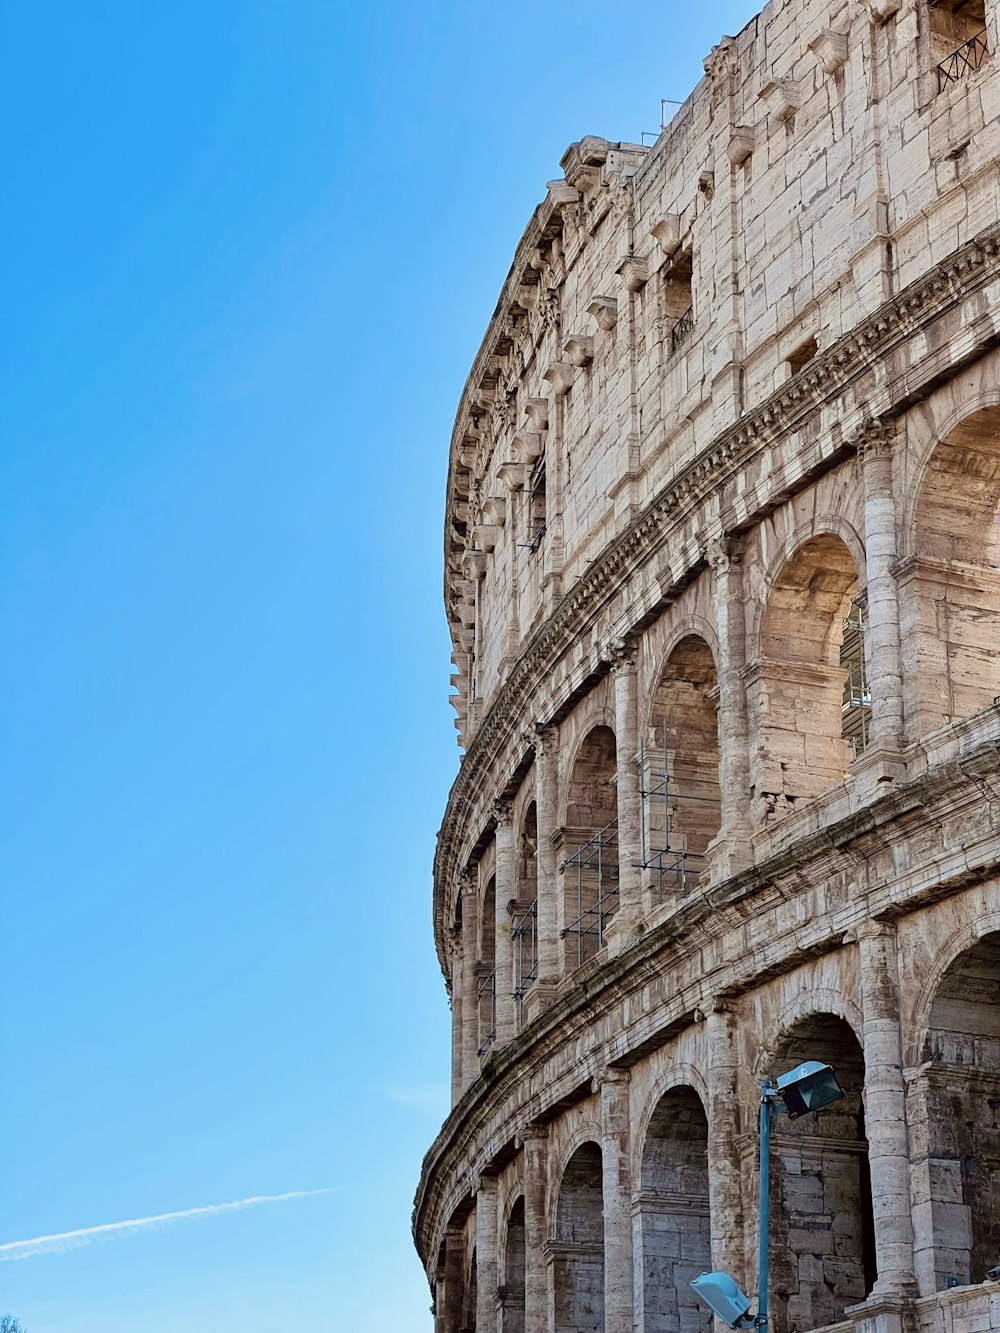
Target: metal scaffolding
[673, 868]
[525, 937]
[594, 866]
[487, 1010]
[857, 706]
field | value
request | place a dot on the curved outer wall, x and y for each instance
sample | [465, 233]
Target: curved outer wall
[722, 569]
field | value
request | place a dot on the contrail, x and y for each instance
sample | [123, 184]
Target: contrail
[74, 1240]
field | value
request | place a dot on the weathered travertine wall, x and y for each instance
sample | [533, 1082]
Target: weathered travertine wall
[723, 575]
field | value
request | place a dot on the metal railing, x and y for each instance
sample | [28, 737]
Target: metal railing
[682, 329]
[969, 57]
[595, 867]
[525, 937]
[487, 1005]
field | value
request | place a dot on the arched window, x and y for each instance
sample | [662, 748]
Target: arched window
[807, 694]
[822, 1226]
[681, 766]
[950, 589]
[954, 1110]
[590, 840]
[577, 1253]
[672, 1224]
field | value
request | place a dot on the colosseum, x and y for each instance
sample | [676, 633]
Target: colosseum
[722, 549]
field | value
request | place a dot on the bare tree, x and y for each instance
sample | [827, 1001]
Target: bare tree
[11, 1324]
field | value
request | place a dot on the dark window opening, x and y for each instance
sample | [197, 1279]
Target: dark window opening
[536, 509]
[958, 39]
[678, 310]
[802, 356]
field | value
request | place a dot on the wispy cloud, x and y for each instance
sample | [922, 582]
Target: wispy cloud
[429, 1097]
[75, 1240]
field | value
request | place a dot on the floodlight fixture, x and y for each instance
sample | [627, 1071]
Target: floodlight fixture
[806, 1088]
[724, 1298]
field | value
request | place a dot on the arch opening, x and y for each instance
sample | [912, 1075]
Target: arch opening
[810, 707]
[524, 929]
[950, 589]
[577, 1253]
[486, 976]
[590, 837]
[672, 1225]
[955, 1122]
[822, 1229]
[512, 1284]
[682, 807]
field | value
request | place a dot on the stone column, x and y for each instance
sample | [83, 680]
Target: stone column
[730, 851]
[617, 1188]
[504, 948]
[882, 656]
[885, 1108]
[470, 1006]
[724, 1168]
[549, 918]
[486, 1253]
[534, 1145]
[622, 655]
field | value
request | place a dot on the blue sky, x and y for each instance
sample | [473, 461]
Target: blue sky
[251, 251]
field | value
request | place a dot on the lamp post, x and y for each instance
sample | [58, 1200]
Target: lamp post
[808, 1087]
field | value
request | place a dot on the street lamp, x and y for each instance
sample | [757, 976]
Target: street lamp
[808, 1087]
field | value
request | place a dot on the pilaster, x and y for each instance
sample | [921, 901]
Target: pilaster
[730, 850]
[535, 1147]
[470, 1008]
[549, 906]
[617, 1188]
[486, 1252]
[724, 1170]
[627, 921]
[885, 1108]
[505, 892]
[882, 762]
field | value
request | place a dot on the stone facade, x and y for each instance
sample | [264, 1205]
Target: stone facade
[723, 577]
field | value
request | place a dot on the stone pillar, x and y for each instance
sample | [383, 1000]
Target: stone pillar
[470, 1006]
[454, 1281]
[882, 655]
[456, 1021]
[724, 1167]
[627, 920]
[486, 1253]
[725, 356]
[549, 918]
[730, 851]
[534, 1144]
[885, 1108]
[617, 1188]
[505, 892]
[440, 1296]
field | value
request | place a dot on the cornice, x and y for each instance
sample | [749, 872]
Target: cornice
[785, 411]
[839, 848]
